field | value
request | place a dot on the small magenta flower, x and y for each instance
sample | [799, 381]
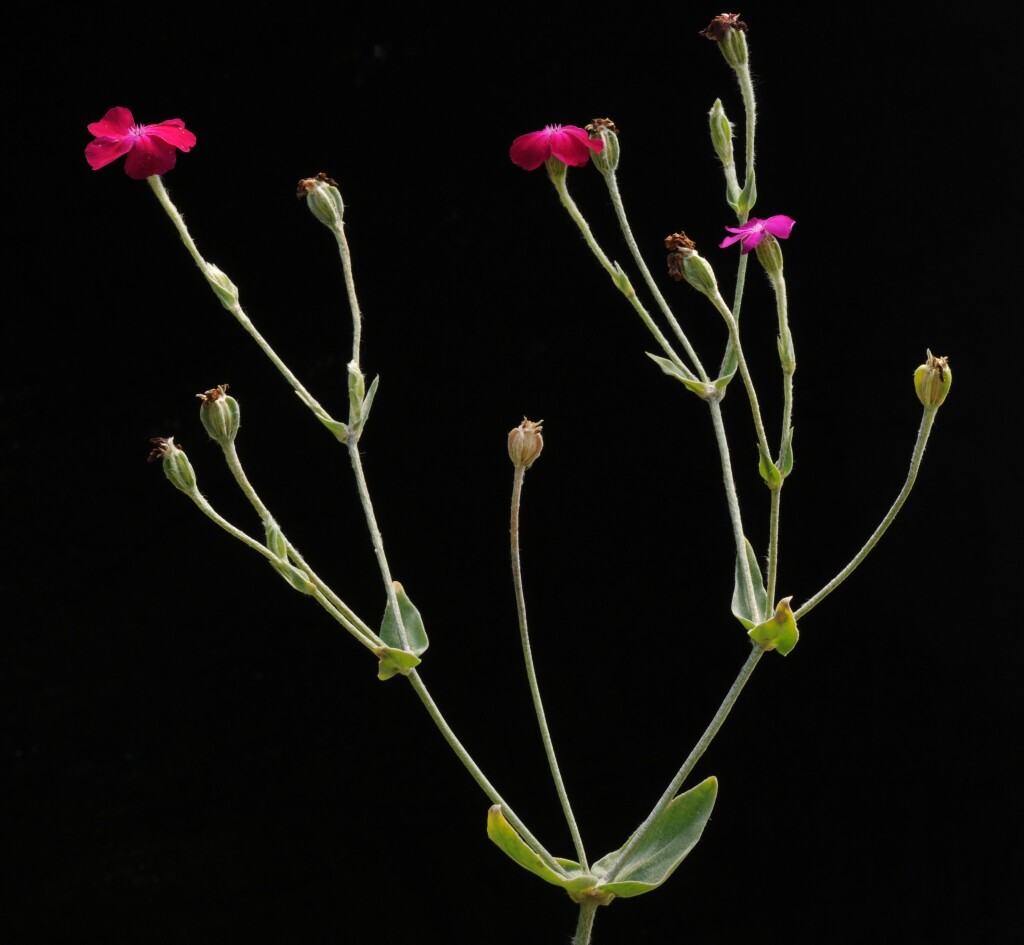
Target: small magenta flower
[567, 143]
[150, 148]
[753, 231]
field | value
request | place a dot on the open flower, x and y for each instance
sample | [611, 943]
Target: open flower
[752, 232]
[571, 145]
[150, 148]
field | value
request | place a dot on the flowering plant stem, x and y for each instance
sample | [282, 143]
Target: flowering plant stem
[710, 732]
[627, 232]
[923, 432]
[213, 276]
[353, 623]
[531, 673]
[733, 502]
[614, 271]
[471, 766]
[787, 356]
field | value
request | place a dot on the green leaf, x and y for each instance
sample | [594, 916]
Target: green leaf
[786, 458]
[665, 845]
[740, 606]
[415, 633]
[682, 375]
[779, 631]
[394, 658]
[504, 835]
[748, 196]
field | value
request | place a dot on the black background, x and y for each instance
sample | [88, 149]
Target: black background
[196, 754]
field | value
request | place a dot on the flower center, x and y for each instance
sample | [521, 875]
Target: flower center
[552, 129]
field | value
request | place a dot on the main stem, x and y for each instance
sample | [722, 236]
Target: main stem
[684, 772]
[531, 673]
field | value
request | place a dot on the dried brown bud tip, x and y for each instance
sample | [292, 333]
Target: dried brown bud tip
[597, 125]
[721, 24]
[161, 445]
[525, 443]
[679, 241]
[214, 394]
[308, 183]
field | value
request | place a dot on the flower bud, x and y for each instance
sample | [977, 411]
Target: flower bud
[932, 381]
[220, 414]
[769, 255]
[176, 466]
[222, 286]
[323, 199]
[721, 134]
[525, 443]
[728, 30]
[607, 159]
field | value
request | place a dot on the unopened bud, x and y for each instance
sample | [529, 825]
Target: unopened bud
[220, 414]
[607, 159]
[223, 287]
[525, 443]
[721, 134]
[728, 30]
[769, 255]
[685, 264]
[323, 199]
[176, 466]
[932, 381]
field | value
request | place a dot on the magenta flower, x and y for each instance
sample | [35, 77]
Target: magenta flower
[571, 145]
[150, 148]
[752, 232]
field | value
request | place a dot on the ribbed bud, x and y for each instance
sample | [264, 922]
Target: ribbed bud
[698, 272]
[721, 134]
[176, 466]
[769, 255]
[223, 287]
[607, 159]
[323, 199]
[220, 414]
[932, 381]
[525, 443]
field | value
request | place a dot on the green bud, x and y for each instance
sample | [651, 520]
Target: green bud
[219, 414]
[728, 30]
[769, 255]
[932, 381]
[222, 286]
[176, 466]
[698, 272]
[323, 199]
[721, 133]
[606, 160]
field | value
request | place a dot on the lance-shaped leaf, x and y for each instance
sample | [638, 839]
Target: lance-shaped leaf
[394, 658]
[749, 612]
[665, 845]
[779, 631]
[572, 878]
[682, 375]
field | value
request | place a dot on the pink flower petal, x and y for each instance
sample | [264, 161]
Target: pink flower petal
[117, 123]
[530, 151]
[751, 240]
[729, 240]
[572, 146]
[780, 226]
[174, 133]
[102, 151]
[149, 156]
